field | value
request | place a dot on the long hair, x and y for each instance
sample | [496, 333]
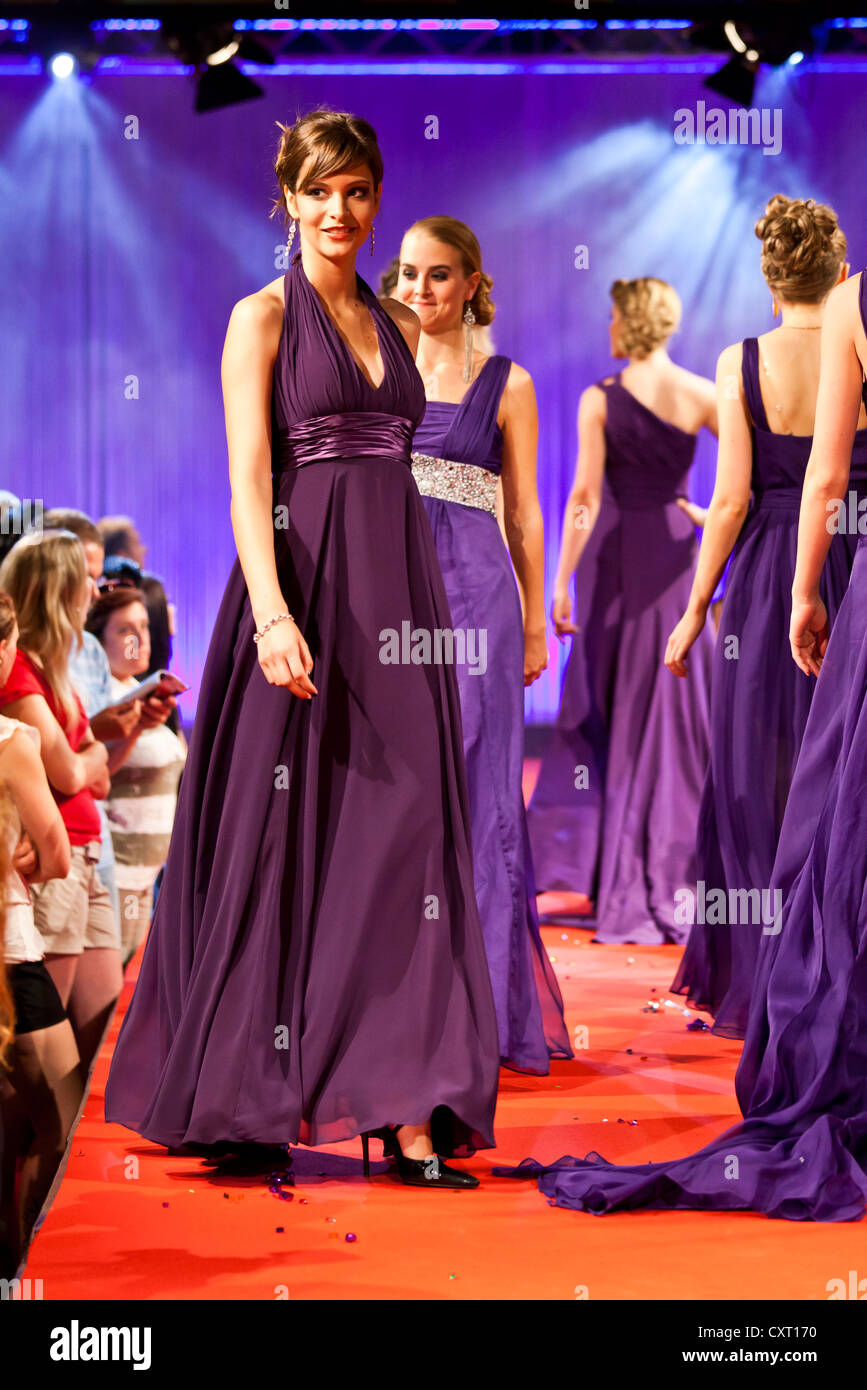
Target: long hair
[7, 1008]
[45, 576]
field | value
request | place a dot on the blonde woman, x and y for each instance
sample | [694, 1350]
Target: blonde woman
[613, 814]
[479, 430]
[766, 390]
[45, 576]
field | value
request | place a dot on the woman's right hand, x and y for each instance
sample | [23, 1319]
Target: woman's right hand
[680, 642]
[561, 614]
[285, 659]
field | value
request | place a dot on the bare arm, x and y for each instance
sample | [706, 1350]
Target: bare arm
[582, 504]
[67, 772]
[249, 353]
[731, 492]
[837, 408]
[522, 515]
[22, 770]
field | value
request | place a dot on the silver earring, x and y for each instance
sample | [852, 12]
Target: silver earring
[291, 238]
[469, 320]
[372, 237]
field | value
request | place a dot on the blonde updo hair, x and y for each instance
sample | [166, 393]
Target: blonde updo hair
[336, 140]
[803, 249]
[459, 236]
[650, 312]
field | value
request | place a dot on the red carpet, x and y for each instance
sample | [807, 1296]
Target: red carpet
[130, 1222]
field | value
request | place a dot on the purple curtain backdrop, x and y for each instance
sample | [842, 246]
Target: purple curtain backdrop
[123, 257]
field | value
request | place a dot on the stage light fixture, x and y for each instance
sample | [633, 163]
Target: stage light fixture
[212, 50]
[735, 80]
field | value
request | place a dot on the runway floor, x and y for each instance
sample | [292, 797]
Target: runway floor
[642, 1087]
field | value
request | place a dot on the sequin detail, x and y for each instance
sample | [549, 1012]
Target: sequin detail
[450, 481]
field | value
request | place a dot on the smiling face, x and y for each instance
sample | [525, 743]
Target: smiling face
[127, 640]
[335, 213]
[432, 282]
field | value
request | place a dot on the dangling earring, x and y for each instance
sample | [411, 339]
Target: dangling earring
[372, 237]
[291, 238]
[774, 308]
[469, 320]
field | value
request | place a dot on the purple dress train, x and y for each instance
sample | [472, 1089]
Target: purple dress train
[800, 1151]
[759, 707]
[316, 966]
[459, 446]
[623, 832]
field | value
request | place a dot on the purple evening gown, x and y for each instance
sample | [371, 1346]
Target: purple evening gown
[316, 966]
[759, 707]
[800, 1151]
[626, 834]
[463, 445]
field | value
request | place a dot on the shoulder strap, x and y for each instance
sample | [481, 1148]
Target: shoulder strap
[752, 390]
[862, 305]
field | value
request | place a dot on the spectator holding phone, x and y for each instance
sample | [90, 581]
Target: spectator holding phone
[145, 766]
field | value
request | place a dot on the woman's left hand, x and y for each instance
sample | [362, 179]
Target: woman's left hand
[808, 634]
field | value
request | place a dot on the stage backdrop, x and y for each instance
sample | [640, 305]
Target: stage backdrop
[122, 258]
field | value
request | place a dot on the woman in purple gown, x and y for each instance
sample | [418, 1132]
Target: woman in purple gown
[766, 391]
[614, 811]
[316, 968]
[471, 435]
[801, 1150]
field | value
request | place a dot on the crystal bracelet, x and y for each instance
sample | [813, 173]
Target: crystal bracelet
[260, 631]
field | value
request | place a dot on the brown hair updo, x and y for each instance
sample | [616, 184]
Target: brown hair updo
[462, 239]
[650, 312]
[336, 140]
[803, 249]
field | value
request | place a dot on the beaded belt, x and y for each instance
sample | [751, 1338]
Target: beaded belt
[455, 482]
[350, 434]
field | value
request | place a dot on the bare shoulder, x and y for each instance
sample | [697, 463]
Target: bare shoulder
[592, 401]
[406, 319]
[257, 319]
[403, 315]
[729, 361]
[843, 305]
[701, 387]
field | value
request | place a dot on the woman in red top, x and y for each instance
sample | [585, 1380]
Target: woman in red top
[45, 575]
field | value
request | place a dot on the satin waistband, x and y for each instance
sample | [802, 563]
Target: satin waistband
[350, 434]
[779, 499]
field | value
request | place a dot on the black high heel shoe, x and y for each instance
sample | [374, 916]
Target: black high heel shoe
[414, 1172]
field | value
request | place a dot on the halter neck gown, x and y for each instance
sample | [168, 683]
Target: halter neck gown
[615, 808]
[316, 966]
[800, 1152]
[759, 706]
[483, 597]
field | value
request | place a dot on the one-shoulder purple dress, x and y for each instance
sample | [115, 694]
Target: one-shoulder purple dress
[615, 809]
[759, 707]
[316, 966]
[457, 458]
[800, 1151]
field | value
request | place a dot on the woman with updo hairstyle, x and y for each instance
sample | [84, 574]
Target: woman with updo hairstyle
[478, 436]
[766, 393]
[315, 967]
[799, 1152]
[613, 814]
